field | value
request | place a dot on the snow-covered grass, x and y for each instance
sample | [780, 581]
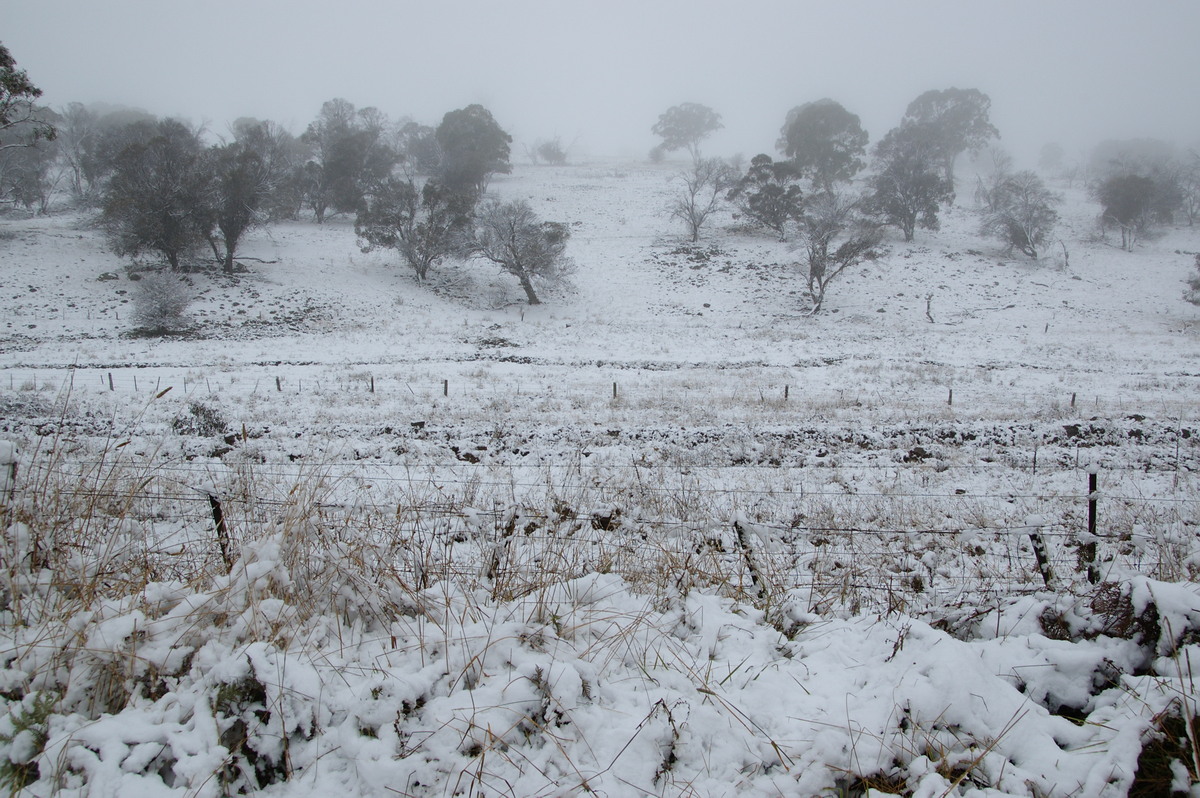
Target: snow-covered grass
[663, 535]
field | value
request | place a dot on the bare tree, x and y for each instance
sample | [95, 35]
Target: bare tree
[835, 235]
[1020, 212]
[510, 235]
[76, 130]
[700, 192]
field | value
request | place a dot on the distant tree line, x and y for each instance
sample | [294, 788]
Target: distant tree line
[161, 189]
[813, 194]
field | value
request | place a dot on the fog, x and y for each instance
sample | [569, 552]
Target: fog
[598, 74]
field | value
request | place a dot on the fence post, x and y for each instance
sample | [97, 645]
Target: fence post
[1087, 551]
[222, 531]
[1039, 550]
[756, 578]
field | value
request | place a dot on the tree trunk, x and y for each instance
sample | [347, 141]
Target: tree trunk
[948, 170]
[818, 298]
[212, 244]
[528, 286]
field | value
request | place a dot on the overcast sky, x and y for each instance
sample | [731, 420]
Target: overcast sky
[598, 73]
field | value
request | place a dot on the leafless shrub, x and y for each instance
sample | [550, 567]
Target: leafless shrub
[160, 304]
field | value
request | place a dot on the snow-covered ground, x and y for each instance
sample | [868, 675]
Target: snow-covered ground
[664, 534]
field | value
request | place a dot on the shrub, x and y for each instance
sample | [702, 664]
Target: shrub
[160, 304]
[1193, 293]
[552, 152]
[201, 420]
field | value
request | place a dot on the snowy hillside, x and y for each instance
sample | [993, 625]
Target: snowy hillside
[664, 534]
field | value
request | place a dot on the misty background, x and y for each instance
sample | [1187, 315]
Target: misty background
[598, 74]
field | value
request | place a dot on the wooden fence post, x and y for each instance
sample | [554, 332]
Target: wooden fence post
[1039, 551]
[222, 531]
[756, 578]
[1087, 551]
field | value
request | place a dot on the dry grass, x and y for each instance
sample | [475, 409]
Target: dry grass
[113, 571]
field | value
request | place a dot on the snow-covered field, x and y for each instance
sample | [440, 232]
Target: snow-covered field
[662, 535]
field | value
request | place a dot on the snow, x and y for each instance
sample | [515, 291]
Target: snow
[460, 565]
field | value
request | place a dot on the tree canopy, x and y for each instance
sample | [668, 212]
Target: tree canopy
[951, 121]
[474, 147]
[349, 153]
[17, 94]
[156, 199]
[907, 189]
[768, 194]
[510, 235]
[684, 126]
[825, 142]
[424, 225]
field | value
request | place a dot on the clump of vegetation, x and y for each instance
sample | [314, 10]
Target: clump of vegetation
[1193, 293]
[160, 303]
[201, 420]
[549, 151]
[23, 732]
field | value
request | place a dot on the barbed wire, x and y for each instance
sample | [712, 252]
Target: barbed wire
[373, 468]
[497, 516]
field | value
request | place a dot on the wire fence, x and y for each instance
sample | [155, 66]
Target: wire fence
[464, 523]
[617, 383]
